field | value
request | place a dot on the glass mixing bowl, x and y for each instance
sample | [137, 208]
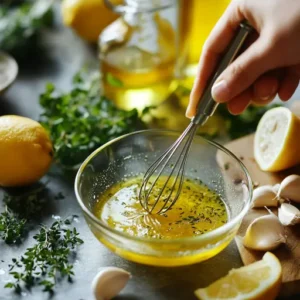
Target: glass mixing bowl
[130, 156]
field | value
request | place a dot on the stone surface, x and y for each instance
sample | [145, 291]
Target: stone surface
[64, 54]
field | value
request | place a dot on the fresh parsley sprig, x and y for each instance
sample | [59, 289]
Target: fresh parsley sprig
[48, 260]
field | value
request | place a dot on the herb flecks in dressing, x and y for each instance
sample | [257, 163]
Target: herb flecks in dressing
[198, 210]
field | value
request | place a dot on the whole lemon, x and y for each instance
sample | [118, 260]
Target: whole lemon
[26, 151]
[87, 17]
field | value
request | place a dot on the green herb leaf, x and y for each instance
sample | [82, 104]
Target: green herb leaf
[23, 208]
[81, 120]
[11, 227]
[9, 285]
[49, 258]
[113, 81]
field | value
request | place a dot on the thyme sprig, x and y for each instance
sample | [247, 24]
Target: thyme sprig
[11, 227]
[48, 260]
[21, 210]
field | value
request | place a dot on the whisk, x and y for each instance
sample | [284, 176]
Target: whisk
[206, 107]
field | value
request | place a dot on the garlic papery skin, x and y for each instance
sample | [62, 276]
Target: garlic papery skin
[264, 196]
[264, 233]
[290, 188]
[276, 188]
[288, 214]
[108, 283]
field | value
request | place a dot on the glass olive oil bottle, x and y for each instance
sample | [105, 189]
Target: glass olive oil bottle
[138, 53]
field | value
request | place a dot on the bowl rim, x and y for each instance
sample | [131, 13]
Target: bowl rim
[191, 239]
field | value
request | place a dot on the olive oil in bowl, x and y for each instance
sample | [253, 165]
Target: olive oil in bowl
[198, 210]
[193, 230]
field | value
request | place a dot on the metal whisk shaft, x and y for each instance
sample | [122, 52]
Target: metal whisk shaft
[205, 109]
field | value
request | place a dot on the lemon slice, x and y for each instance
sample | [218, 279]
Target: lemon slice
[277, 142]
[260, 280]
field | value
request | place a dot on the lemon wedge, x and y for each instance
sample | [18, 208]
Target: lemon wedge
[276, 142]
[258, 281]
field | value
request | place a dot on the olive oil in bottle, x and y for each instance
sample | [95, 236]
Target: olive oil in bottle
[137, 56]
[197, 19]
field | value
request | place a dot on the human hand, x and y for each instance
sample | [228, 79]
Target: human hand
[269, 66]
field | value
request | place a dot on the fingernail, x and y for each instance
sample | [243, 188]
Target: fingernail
[189, 113]
[220, 91]
[265, 94]
[267, 98]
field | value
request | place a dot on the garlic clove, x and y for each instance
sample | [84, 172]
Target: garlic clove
[109, 282]
[264, 196]
[276, 188]
[290, 188]
[264, 233]
[288, 214]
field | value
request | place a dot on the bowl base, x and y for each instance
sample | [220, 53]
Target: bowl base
[164, 261]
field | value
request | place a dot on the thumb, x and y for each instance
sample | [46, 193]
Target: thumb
[243, 72]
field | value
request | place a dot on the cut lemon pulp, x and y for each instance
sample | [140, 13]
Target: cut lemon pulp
[277, 141]
[260, 281]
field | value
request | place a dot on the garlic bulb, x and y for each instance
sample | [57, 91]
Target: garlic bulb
[264, 196]
[288, 214]
[109, 282]
[290, 188]
[264, 233]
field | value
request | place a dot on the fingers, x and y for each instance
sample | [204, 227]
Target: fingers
[265, 88]
[262, 92]
[243, 72]
[238, 104]
[245, 80]
[215, 45]
[263, 102]
[288, 85]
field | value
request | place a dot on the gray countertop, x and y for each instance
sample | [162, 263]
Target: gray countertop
[64, 55]
[146, 283]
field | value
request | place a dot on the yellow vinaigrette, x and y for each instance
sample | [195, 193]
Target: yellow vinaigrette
[197, 211]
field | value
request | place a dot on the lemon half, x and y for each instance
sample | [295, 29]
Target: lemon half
[258, 281]
[277, 140]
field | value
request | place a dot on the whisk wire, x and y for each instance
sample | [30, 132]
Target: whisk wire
[168, 179]
[166, 153]
[180, 174]
[144, 195]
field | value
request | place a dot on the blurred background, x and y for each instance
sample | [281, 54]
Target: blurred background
[144, 52]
